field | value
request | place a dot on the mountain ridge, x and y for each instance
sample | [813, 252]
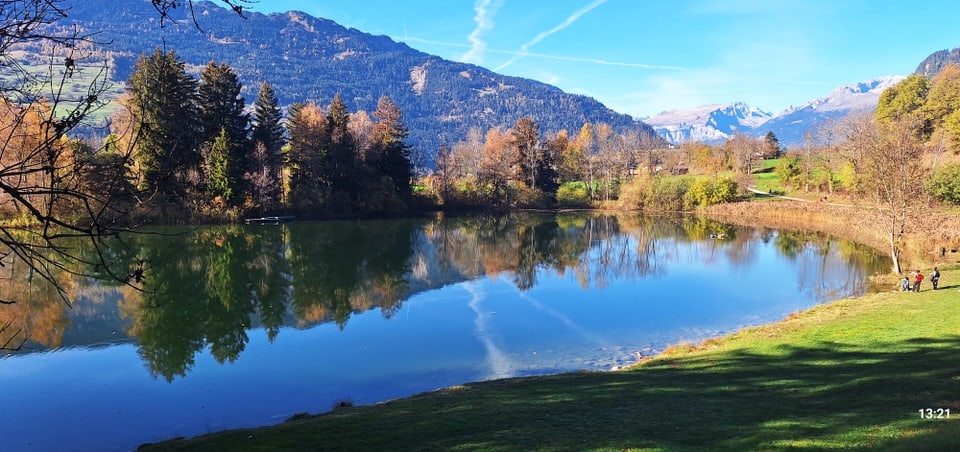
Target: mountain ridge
[309, 59]
[715, 123]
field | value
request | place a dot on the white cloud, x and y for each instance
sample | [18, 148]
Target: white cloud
[485, 10]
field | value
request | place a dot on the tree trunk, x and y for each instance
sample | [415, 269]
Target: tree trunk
[895, 253]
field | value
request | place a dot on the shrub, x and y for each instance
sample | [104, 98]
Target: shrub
[707, 192]
[573, 194]
[633, 193]
[666, 193]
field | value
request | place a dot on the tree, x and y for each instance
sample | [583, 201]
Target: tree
[903, 99]
[163, 101]
[526, 138]
[41, 176]
[392, 155]
[222, 118]
[771, 146]
[306, 156]
[268, 131]
[894, 176]
[64, 191]
[220, 168]
[496, 170]
[341, 155]
[263, 178]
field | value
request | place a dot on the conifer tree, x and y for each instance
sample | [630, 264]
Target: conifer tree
[219, 168]
[222, 115]
[341, 153]
[268, 123]
[163, 102]
[392, 155]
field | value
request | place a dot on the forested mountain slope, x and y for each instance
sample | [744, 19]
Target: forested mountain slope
[311, 59]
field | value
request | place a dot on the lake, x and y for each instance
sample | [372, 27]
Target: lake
[246, 325]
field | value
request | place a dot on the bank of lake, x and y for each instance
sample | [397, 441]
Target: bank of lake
[879, 371]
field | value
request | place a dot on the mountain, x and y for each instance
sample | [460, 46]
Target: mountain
[932, 64]
[306, 58]
[790, 125]
[710, 123]
[715, 123]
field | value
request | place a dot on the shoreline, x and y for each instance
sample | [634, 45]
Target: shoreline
[807, 368]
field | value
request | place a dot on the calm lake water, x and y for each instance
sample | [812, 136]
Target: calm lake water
[240, 326]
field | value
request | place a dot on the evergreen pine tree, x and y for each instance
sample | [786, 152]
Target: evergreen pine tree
[342, 150]
[163, 101]
[268, 131]
[219, 168]
[221, 113]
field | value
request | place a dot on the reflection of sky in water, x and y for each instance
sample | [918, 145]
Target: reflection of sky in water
[104, 398]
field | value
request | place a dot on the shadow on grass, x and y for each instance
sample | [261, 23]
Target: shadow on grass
[826, 396]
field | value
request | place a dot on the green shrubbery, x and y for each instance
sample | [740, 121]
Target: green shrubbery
[573, 195]
[676, 193]
[705, 192]
[944, 184]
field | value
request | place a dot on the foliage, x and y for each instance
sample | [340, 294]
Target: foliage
[944, 183]
[163, 101]
[668, 193]
[904, 98]
[705, 192]
[219, 168]
[573, 195]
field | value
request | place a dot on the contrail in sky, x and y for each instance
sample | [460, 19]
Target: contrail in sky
[540, 55]
[485, 9]
[540, 37]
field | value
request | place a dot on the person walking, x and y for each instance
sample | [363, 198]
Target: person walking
[917, 280]
[935, 278]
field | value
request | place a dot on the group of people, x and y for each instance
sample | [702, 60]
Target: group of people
[917, 279]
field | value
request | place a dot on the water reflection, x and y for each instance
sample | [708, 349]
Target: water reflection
[210, 287]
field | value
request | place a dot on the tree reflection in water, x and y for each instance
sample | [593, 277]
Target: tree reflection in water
[210, 286]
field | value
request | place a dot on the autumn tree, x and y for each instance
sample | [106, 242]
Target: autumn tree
[306, 156]
[496, 170]
[894, 176]
[903, 99]
[391, 153]
[525, 136]
[40, 111]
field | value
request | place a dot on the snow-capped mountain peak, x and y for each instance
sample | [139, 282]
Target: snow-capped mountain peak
[709, 123]
[715, 123]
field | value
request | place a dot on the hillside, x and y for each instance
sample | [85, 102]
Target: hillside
[311, 59]
[932, 64]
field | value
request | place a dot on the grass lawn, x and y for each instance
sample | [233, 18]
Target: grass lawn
[850, 374]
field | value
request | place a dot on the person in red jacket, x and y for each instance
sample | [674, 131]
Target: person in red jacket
[917, 280]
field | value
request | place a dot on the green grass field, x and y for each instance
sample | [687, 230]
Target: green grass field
[853, 374]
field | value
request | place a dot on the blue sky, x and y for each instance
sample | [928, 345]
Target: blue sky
[642, 57]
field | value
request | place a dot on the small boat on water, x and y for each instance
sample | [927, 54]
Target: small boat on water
[269, 220]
